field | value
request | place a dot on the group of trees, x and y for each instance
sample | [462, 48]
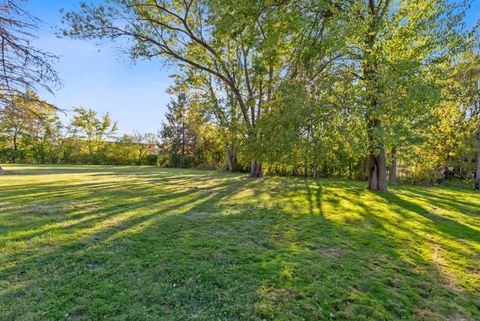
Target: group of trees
[358, 88]
[187, 138]
[344, 87]
[31, 131]
[23, 68]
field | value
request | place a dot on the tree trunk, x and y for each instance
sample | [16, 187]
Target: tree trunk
[255, 169]
[393, 167]
[305, 170]
[315, 171]
[477, 174]
[1, 170]
[15, 148]
[231, 158]
[377, 172]
[259, 170]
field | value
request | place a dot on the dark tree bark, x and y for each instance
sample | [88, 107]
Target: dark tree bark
[256, 169]
[376, 161]
[393, 167]
[15, 148]
[372, 169]
[315, 171]
[259, 170]
[231, 158]
[477, 174]
[1, 170]
[377, 172]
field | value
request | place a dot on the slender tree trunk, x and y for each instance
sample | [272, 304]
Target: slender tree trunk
[1, 170]
[477, 174]
[377, 172]
[372, 169]
[231, 158]
[15, 148]
[183, 138]
[256, 169]
[259, 171]
[315, 171]
[393, 167]
[382, 173]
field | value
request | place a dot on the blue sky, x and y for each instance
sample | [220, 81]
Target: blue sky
[103, 79]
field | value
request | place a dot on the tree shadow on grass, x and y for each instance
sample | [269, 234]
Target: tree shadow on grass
[380, 240]
[54, 259]
[307, 267]
[446, 200]
[314, 196]
[449, 227]
[210, 252]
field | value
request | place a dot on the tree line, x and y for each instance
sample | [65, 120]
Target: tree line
[324, 87]
[347, 88]
[31, 131]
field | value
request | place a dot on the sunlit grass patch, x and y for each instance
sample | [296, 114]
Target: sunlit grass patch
[129, 243]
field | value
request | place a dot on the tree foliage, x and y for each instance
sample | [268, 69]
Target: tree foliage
[350, 88]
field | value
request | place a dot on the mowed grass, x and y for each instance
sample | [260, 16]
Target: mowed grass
[126, 243]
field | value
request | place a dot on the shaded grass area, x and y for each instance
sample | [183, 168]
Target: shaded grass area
[144, 243]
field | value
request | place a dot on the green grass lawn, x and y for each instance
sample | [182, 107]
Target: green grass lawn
[129, 243]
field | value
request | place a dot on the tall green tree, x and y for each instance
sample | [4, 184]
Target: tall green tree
[394, 51]
[220, 107]
[245, 46]
[177, 134]
[94, 130]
